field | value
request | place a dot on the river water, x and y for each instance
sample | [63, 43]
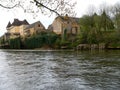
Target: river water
[59, 70]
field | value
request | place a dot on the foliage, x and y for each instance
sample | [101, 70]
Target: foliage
[64, 35]
[101, 27]
[88, 30]
[15, 43]
[37, 41]
[2, 41]
[106, 22]
[50, 38]
[92, 28]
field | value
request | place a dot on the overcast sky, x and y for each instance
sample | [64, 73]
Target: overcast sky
[81, 8]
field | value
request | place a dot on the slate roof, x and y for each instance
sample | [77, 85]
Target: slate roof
[9, 25]
[17, 22]
[33, 25]
[76, 19]
[50, 27]
[69, 18]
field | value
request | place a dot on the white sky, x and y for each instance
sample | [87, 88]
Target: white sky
[81, 8]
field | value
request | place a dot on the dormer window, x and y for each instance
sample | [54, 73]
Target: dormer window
[66, 17]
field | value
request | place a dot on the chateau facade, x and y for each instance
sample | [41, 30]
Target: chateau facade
[22, 29]
[65, 24]
[15, 29]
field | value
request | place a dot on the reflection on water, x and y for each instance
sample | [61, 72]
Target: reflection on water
[59, 70]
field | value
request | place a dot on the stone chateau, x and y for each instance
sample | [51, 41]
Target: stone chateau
[22, 29]
[61, 25]
[67, 24]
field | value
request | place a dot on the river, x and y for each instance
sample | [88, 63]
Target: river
[59, 70]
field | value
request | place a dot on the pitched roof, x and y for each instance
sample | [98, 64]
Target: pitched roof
[50, 27]
[32, 25]
[9, 25]
[76, 19]
[67, 18]
[17, 22]
[25, 22]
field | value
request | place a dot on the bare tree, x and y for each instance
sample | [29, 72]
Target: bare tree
[91, 10]
[59, 7]
[116, 15]
[9, 4]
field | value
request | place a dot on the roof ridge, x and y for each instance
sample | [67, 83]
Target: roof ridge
[31, 25]
[18, 22]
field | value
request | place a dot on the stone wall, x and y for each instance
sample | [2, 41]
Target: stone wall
[90, 46]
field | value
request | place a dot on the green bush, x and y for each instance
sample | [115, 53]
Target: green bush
[15, 43]
[37, 41]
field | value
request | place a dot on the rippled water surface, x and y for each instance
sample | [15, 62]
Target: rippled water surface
[59, 70]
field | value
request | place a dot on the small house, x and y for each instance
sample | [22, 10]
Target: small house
[34, 28]
[65, 24]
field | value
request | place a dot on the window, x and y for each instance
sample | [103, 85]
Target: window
[38, 25]
[74, 30]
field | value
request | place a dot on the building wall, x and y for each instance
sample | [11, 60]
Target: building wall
[32, 31]
[14, 36]
[35, 29]
[57, 26]
[29, 32]
[75, 28]
[21, 30]
[14, 29]
[67, 25]
[70, 25]
[38, 28]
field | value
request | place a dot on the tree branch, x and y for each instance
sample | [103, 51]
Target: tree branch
[9, 7]
[40, 4]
